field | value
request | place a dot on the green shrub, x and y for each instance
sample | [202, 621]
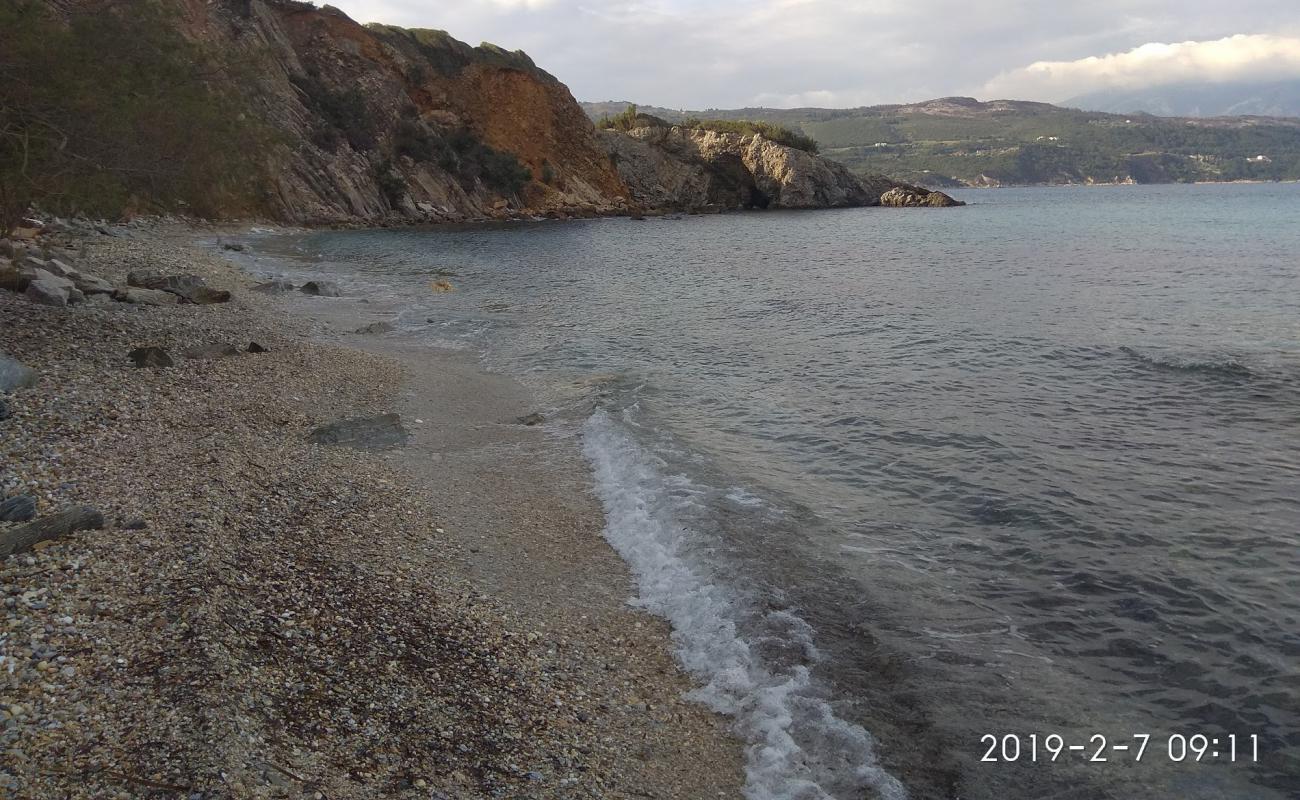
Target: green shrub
[390, 183]
[631, 118]
[768, 130]
[625, 121]
[113, 109]
[461, 153]
[345, 111]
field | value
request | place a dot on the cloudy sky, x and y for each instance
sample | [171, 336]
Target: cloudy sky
[731, 53]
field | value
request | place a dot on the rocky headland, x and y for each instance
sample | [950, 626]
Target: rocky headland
[316, 119]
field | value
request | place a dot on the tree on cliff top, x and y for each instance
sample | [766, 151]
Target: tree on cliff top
[114, 110]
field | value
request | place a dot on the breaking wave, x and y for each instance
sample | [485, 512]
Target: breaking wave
[797, 748]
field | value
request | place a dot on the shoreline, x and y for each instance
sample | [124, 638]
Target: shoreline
[303, 620]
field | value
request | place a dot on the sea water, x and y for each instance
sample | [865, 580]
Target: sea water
[920, 490]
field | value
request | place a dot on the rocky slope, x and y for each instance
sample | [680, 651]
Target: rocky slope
[331, 121]
[378, 122]
[674, 167]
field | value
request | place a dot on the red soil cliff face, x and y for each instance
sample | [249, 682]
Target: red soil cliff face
[468, 110]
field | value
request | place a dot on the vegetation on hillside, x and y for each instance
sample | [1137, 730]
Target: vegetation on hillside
[113, 110]
[462, 153]
[958, 141]
[631, 118]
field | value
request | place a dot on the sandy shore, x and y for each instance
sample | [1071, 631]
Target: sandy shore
[265, 617]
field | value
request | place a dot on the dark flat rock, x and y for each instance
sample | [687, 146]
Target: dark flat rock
[208, 352]
[364, 433]
[187, 287]
[18, 509]
[150, 357]
[321, 288]
[24, 537]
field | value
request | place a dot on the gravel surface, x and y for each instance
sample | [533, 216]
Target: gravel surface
[266, 617]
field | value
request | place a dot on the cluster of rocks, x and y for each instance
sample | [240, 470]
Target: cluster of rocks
[52, 281]
[312, 288]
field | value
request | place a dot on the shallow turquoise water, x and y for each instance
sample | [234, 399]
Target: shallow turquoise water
[1027, 467]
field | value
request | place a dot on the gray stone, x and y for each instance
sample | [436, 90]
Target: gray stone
[48, 293]
[209, 352]
[321, 288]
[254, 347]
[532, 419]
[59, 268]
[236, 247]
[14, 375]
[188, 287]
[90, 284]
[364, 433]
[145, 297]
[377, 327]
[150, 357]
[18, 509]
[21, 539]
[206, 296]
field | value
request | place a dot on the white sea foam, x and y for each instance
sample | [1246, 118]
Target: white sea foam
[796, 746]
[741, 497]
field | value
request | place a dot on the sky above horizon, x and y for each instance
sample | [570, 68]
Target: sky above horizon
[839, 53]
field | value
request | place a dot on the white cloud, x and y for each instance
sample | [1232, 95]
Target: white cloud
[1228, 60]
[727, 53]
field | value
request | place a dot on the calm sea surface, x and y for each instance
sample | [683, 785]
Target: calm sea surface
[906, 479]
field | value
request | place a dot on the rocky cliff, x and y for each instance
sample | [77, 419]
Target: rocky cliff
[674, 167]
[377, 122]
[280, 108]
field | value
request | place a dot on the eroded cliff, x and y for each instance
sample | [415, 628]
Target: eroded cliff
[378, 122]
[232, 108]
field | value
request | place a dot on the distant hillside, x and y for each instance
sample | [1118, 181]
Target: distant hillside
[958, 141]
[1270, 99]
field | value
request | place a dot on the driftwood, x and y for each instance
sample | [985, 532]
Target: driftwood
[22, 538]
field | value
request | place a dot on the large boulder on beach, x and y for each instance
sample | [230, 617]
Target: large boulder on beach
[321, 289]
[364, 433]
[187, 287]
[150, 357]
[47, 292]
[145, 297]
[15, 375]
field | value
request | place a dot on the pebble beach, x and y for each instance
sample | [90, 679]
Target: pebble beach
[266, 613]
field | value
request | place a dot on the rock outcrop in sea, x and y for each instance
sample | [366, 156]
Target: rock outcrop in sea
[671, 167]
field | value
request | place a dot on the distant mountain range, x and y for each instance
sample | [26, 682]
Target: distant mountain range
[1272, 99]
[959, 141]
